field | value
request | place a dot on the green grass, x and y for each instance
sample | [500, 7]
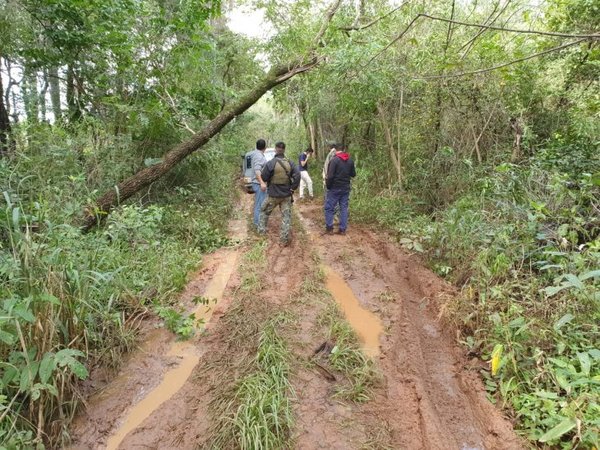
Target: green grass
[254, 411]
[263, 418]
[347, 357]
[251, 266]
[73, 301]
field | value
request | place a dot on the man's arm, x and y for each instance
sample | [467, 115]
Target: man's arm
[295, 176]
[326, 165]
[261, 181]
[353, 170]
[258, 163]
[330, 173]
[304, 159]
[266, 174]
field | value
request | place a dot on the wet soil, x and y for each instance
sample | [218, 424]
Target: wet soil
[428, 398]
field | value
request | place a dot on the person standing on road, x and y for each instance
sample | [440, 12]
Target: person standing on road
[258, 185]
[282, 177]
[338, 182]
[305, 180]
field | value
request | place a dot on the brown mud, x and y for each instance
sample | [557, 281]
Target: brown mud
[427, 398]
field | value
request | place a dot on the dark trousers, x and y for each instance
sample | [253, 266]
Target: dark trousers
[334, 198]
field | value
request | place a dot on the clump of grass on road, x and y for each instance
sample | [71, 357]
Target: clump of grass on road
[347, 358]
[259, 416]
[254, 411]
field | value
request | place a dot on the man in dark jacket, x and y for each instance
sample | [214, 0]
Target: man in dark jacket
[282, 178]
[339, 173]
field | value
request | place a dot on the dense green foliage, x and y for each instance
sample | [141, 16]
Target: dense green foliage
[135, 80]
[492, 175]
[73, 298]
[479, 148]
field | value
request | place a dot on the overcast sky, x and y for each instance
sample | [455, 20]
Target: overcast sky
[252, 23]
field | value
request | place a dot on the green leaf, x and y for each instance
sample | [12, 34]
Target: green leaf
[558, 362]
[563, 383]
[7, 337]
[584, 361]
[50, 299]
[590, 274]
[10, 373]
[546, 394]
[35, 392]
[562, 428]
[553, 290]
[52, 389]
[574, 280]
[47, 367]
[78, 369]
[24, 313]
[65, 353]
[66, 358]
[594, 353]
[25, 381]
[563, 321]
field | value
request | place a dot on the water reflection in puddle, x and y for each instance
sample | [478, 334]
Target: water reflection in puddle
[366, 324]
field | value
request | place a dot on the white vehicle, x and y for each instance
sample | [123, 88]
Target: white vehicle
[269, 154]
[247, 168]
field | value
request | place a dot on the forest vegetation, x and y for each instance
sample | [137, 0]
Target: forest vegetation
[475, 127]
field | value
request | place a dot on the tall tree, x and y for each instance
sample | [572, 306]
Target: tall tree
[54, 85]
[4, 120]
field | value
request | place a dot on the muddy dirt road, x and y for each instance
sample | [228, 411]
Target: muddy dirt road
[423, 395]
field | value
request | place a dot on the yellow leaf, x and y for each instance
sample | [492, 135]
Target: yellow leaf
[496, 355]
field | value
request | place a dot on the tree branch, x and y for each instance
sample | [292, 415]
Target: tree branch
[392, 42]
[148, 175]
[489, 21]
[372, 22]
[499, 66]
[513, 30]
[296, 70]
[330, 13]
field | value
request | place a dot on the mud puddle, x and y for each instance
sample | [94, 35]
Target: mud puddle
[187, 352]
[122, 409]
[366, 324]
[427, 397]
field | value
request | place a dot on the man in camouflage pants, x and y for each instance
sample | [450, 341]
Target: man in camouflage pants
[282, 178]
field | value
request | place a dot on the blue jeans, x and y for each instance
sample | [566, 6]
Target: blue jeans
[259, 199]
[334, 198]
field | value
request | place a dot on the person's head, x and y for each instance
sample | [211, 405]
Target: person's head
[280, 148]
[261, 144]
[309, 150]
[332, 146]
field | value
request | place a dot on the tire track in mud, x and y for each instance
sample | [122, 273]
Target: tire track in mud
[427, 399]
[156, 376]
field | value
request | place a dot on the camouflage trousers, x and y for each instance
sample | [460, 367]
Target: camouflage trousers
[285, 204]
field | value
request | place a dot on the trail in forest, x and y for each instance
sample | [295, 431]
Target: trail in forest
[428, 397]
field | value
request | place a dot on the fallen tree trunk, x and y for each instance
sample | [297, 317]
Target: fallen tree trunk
[277, 75]
[128, 187]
